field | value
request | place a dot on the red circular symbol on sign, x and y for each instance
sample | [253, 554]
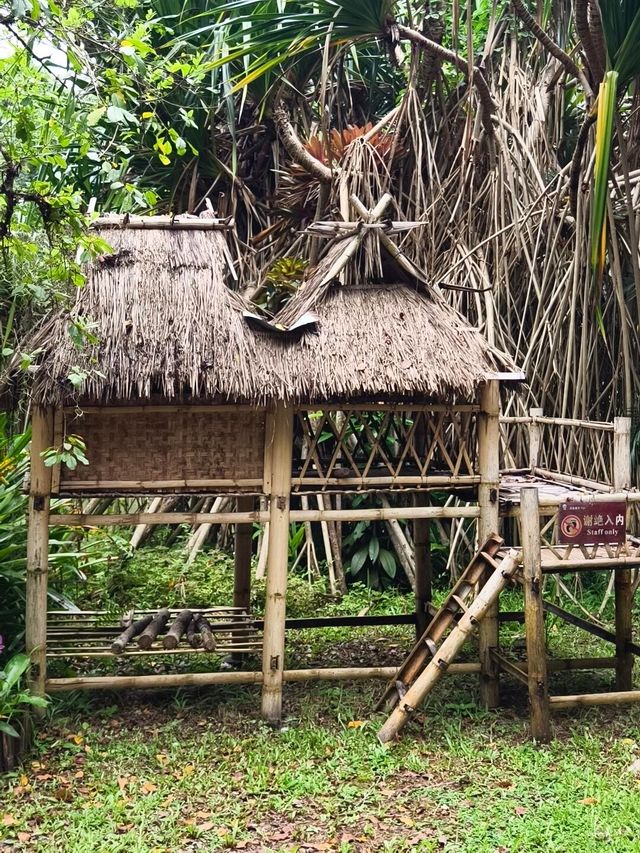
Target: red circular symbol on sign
[571, 526]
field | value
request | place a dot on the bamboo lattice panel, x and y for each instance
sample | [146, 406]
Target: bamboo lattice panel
[391, 448]
[514, 445]
[178, 447]
[577, 451]
[90, 634]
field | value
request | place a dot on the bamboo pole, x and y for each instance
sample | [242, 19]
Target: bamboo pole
[259, 516]
[207, 679]
[333, 587]
[570, 480]
[580, 700]
[488, 525]
[38, 548]
[535, 437]
[444, 656]
[623, 583]
[141, 529]
[423, 567]
[171, 223]
[279, 435]
[534, 616]
[242, 560]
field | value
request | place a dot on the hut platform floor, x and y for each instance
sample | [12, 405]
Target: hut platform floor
[548, 488]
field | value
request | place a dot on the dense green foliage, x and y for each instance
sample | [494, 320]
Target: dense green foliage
[14, 697]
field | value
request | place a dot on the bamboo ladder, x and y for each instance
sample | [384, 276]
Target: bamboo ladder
[428, 662]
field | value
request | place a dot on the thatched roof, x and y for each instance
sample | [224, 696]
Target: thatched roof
[168, 327]
[392, 340]
[165, 322]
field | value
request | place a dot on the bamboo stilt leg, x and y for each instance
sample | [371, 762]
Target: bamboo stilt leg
[38, 548]
[488, 524]
[624, 629]
[534, 616]
[279, 436]
[422, 558]
[242, 562]
[623, 583]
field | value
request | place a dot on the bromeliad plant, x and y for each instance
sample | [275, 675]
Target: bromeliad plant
[14, 697]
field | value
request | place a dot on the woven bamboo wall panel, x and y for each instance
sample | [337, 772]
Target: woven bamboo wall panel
[184, 444]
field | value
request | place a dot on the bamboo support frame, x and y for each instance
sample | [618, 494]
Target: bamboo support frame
[242, 559]
[38, 548]
[423, 567]
[279, 437]
[623, 581]
[261, 516]
[209, 679]
[488, 525]
[534, 616]
[535, 437]
[581, 700]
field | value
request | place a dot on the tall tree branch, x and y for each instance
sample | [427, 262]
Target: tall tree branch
[554, 49]
[487, 104]
[296, 150]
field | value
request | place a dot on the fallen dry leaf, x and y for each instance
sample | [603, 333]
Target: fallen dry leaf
[588, 801]
[520, 810]
[148, 788]
[355, 724]
[24, 836]
[8, 820]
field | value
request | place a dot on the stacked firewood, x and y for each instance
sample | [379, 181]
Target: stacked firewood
[194, 627]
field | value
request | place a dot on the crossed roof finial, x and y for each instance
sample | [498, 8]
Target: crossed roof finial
[370, 222]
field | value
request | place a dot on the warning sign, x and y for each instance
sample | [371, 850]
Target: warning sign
[593, 523]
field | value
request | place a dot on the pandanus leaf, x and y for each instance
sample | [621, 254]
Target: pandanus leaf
[604, 128]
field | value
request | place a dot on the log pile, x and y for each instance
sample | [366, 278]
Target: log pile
[187, 626]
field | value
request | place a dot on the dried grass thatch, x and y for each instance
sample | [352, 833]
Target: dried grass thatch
[383, 341]
[166, 323]
[168, 328]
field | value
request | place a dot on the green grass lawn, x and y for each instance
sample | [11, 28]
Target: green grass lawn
[198, 771]
[193, 771]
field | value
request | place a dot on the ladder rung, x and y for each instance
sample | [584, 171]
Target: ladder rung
[433, 649]
[460, 603]
[489, 559]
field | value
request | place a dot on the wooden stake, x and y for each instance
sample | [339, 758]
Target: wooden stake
[444, 656]
[38, 548]
[534, 616]
[280, 439]
[422, 559]
[488, 525]
[623, 583]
